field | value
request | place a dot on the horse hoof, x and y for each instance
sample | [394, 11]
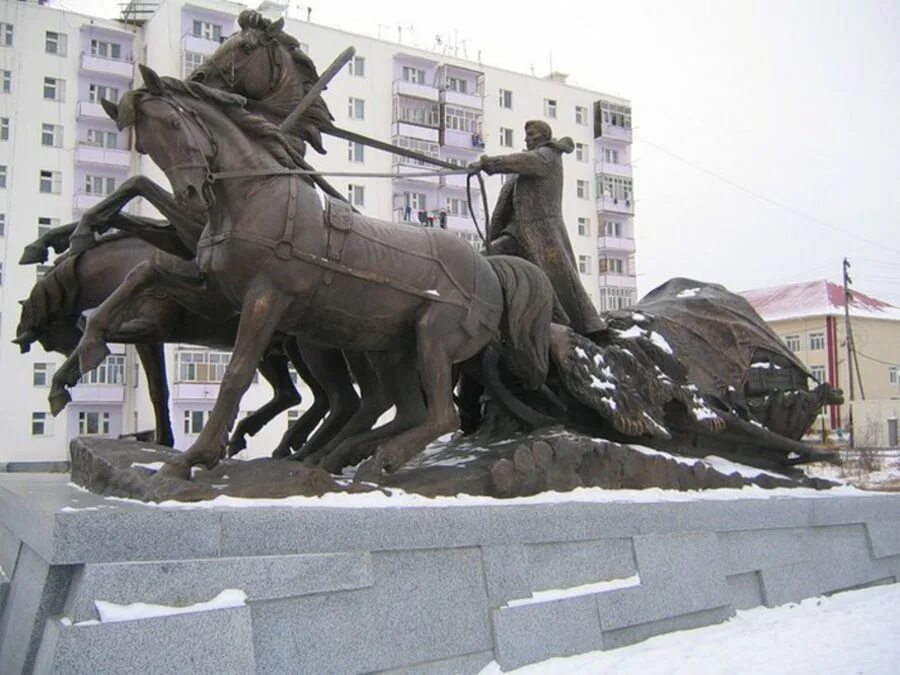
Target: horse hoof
[58, 401]
[176, 469]
[235, 446]
[281, 452]
[33, 255]
[370, 471]
[91, 354]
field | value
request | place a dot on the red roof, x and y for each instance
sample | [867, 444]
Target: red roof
[815, 298]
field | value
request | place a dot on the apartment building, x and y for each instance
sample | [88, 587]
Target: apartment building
[809, 317]
[60, 154]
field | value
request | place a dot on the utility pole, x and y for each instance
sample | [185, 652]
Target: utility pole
[849, 341]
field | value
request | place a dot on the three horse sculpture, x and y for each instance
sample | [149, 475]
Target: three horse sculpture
[328, 277]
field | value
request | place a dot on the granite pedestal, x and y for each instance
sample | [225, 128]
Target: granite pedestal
[424, 589]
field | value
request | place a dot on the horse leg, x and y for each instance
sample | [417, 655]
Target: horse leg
[153, 359]
[274, 368]
[261, 311]
[374, 403]
[435, 367]
[329, 369]
[58, 238]
[98, 217]
[299, 431]
[400, 383]
[66, 376]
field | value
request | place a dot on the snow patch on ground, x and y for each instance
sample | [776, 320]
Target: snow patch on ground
[153, 466]
[688, 293]
[633, 332]
[660, 342]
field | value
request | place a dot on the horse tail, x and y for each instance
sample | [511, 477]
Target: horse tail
[53, 297]
[527, 312]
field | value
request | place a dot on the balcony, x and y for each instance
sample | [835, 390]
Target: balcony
[109, 157]
[458, 180]
[84, 200]
[617, 281]
[404, 166]
[195, 391]
[89, 109]
[451, 97]
[615, 132]
[610, 169]
[615, 244]
[199, 45]
[400, 128]
[462, 139]
[416, 90]
[105, 66]
[612, 205]
[98, 393]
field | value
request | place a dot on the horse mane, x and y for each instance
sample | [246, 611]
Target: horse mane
[233, 106]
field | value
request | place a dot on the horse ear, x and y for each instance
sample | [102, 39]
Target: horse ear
[152, 81]
[275, 28]
[111, 109]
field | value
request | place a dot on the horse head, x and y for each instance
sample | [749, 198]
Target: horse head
[252, 61]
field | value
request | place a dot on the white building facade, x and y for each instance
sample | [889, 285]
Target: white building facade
[60, 154]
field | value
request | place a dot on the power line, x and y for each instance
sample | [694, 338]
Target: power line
[769, 200]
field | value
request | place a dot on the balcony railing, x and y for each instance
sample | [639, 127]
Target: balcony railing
[90, 109]
[615, 244]
[106, 66]
[615, 205]
[85, 200]
[401, 168]
[614, 132]
[617, 280]
[613, 169]
[200, 45]
[92, 154]
[451, 97]
[462, 139]
[402, 128]
[416, 90]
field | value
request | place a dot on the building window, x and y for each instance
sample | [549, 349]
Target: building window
[892, 375]
[428, 148]
[99, 185]
[54, 89]
[462, 119]
[40, 424]
[356, 109]
[190, 61]
[1, 273]
[581, 152]
[4, 128]
[46, 224]
[818, 373]
[201, 365]
[581, 189]
[581, 115]
[6, 35]
[51, 135]
[458, 85]
[506, 137]
[356, 152]
[550, 108]
[98, 91]
[51, 182]
[2, 176]
[615, 188]
[106, 50]
[303, 47]
[40, 271]
[457, 207]
[611, 266]
[584, 227]
[2, 224]
[40, 374]
[416, 111]
[207, 30]
[194, 421]
[612, 228]
[610, 156]
[816, 341]
[102, 139]
[506, 98]
[414, 75]
[55, 43]
[358, 66]
[616, 115]
[93, 424]
[5, 81]
[110, 371]
[292, 416]
[356, 194]
[584, 264]
[792, 342]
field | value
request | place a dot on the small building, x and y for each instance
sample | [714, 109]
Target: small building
[809, 317]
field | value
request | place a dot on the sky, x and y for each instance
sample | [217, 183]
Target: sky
[766, 134]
